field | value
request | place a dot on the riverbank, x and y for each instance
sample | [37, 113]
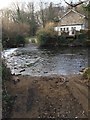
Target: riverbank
[48, 97]
[58, 93]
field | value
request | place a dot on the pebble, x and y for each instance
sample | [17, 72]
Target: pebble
[66, 80]
[38, 116]
[37, 101]
[58, 114]
[45, 113]
[83, 112]
[56, 82]
[68, 111]
[35, 81]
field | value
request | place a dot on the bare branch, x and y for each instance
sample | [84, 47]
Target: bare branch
[74, 5]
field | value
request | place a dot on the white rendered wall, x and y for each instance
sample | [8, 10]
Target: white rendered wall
[77, 28]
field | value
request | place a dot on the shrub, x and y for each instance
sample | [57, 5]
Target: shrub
[4, 40]
[62, 40]
[87, 42]
[47, 36]
[14, 34]
[14, 41]
[20, 40]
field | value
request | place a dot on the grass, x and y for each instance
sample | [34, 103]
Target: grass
[30, 39]
[86, 74]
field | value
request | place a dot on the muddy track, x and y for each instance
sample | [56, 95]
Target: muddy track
[44, 97]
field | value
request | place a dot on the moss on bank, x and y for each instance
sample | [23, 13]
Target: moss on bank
[86, 74]
[7, 99]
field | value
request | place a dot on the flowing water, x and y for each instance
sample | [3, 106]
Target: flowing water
[34, 61]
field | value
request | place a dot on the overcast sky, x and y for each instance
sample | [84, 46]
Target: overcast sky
[7, 3]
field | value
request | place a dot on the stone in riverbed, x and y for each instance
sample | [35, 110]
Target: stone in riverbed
[16, 79]
[17, 74]
[45, 72]
[15, 68]
[22, 70]
[13, 73]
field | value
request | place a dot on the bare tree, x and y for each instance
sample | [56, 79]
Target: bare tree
[31, 18]
[76, 4]
[18, 12]
[49, 12]
[42, 13]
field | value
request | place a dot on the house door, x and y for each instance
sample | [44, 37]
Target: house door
[73, 29]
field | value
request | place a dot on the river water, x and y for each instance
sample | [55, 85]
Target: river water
[34, 61]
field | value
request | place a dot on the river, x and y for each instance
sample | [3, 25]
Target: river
[31, 60]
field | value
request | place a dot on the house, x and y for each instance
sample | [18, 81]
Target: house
[71, 22]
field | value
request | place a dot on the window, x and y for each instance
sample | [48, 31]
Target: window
[61, 29]
[67, 29]
[74, 28]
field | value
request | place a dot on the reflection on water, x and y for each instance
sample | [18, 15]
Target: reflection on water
[33, 61]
